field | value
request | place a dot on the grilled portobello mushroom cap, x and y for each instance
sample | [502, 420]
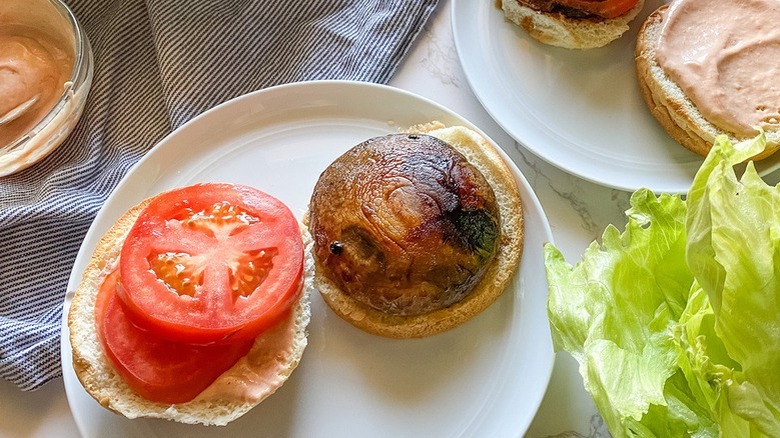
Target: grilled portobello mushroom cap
[404, 224]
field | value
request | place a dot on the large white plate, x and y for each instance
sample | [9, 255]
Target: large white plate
[580, 110]
[485, 378]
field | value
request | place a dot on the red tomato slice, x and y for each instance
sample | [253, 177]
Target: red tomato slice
[602, 8]
[211, 262]
[156, 369]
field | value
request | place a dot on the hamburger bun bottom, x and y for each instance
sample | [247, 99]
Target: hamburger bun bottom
[559, 30]
[484, 157]
[668, 103]
[214, 406]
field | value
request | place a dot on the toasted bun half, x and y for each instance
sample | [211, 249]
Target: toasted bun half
[482, 155]
[668, 103]
[216, 405]
[556, 29]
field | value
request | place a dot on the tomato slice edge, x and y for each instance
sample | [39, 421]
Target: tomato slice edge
[148, 300]
[156, 369]
[605, 9]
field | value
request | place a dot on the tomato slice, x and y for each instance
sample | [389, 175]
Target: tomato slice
[157, 369]
[211, 263]
[602, 8]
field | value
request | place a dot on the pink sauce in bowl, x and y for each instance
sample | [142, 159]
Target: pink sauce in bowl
[45, 75]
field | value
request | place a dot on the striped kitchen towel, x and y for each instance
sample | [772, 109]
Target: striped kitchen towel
[158, 63]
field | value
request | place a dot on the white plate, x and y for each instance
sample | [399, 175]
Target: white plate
[580, 110]
[484, 378]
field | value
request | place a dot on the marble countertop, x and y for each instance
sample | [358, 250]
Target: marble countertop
[578, 211]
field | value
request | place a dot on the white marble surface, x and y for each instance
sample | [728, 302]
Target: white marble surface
[577, 210]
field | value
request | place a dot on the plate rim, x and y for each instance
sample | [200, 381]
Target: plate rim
[94, 232]
[522, 134]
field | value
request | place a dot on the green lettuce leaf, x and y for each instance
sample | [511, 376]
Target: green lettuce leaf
[734, 253]
[616, 311]
[676, 322]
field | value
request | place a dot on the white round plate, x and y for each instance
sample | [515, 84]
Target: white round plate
[484, 378]
[579, 110]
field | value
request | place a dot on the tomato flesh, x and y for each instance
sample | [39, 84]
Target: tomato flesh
[602, 8]
[210, 263]
[157, 369]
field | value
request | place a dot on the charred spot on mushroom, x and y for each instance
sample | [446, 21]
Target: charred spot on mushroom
[336, 248]
[477, 229]
[404, 224]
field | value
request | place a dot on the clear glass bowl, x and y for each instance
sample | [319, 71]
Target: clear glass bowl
[57, 124]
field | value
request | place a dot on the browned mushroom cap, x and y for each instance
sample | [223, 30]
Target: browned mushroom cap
[404, 224]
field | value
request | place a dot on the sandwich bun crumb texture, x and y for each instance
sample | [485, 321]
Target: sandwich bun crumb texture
[214, 406]
[559, 30]
[497, 276]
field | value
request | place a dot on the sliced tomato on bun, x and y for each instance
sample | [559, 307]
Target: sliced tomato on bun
[602, 8]
[573, 24]
[193, 306]
[211, 263]
[157, 369]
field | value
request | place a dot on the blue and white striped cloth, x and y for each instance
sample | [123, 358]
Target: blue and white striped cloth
[158, 63]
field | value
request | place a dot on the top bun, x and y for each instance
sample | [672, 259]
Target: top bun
[670, 105]
[496, 275]
[556, 29]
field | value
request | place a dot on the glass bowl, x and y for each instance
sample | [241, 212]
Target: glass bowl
[33, 30]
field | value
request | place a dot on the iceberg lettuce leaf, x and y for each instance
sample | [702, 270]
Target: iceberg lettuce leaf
[676, 322]
[734, 253]
[616, 311]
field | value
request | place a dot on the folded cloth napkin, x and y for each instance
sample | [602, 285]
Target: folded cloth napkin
[158, 63]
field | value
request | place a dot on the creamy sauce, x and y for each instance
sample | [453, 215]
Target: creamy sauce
[259, 373]
[724, 56]
[34, 70]
[263, 370]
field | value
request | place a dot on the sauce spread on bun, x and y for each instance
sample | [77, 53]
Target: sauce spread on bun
[194, 305]
[204, 270]
[724, 56]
